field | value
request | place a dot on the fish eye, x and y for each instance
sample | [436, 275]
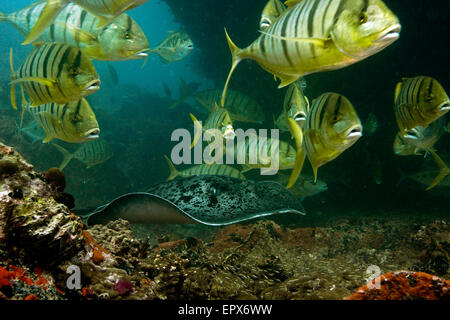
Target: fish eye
[429, 97]
[127, 35]
[363, 17]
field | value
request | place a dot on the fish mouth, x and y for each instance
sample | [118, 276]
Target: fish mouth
[355, 132]
[93, 85]
[300, 117]
[142, 54]
[93, 134]
[390, 34]
[229, 133]
[445, 106]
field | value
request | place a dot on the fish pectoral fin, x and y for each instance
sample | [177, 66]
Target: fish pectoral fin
[51, 10]
[103, 21]
[43, 81]
[286, 80]
[79, 34]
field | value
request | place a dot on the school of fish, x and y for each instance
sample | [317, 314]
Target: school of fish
[296, 38]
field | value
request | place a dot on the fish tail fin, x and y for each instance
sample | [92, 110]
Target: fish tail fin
[13, 77]
[51, 10]
[197, 130]
[444, 170]
[300, 154]
[235, 59]
[184, 89]
[184, 93]
[173, 171]
[3, 17]
[66, 154]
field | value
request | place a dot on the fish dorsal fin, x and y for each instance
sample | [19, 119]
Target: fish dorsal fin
[290, 3]
[398, 88]
[51, 10]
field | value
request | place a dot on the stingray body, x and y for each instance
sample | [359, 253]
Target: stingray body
[209, 200]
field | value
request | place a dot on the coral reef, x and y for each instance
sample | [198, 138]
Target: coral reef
[46, 252]
[404, 285]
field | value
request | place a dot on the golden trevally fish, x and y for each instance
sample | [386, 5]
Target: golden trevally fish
[295, 106]
[424, 139]
[241, 107]
[304, 187]
[122, 39]
[105, 11]
[332, 126]
[319, 35]
[74, 122]
[55, 73]
[271, 12]
[257, 152]
[419, 101]
[175, 47]
[91, 153]
[218, 119]
[402, 147]
[204, 169]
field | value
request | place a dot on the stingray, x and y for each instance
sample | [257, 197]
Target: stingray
[208, 200]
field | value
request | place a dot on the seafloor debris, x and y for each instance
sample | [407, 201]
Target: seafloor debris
[47, 253]
[404, 285]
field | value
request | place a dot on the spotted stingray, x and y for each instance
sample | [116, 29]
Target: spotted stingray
[208, 200]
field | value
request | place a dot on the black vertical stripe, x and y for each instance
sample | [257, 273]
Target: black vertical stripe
[63, 60]
[284, 44]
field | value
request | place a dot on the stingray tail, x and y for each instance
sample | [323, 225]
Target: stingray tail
[173, 171]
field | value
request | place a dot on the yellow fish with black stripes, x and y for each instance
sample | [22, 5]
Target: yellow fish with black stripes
[105, 11]
[263, 152]
[175, 47]
[319, 35]
[91, 153]
[204, 169]
[332, 126]
[241, 107]
[295, 106]
[74, 122]
[54, 73]
[418, 102]
[271, 12]
[219, 119]
[122, 39]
